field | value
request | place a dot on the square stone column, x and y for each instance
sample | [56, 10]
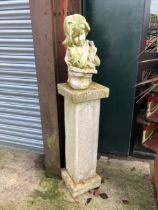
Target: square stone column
[82, 109]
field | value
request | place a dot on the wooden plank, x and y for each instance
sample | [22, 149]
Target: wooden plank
[74, 6]
[60, 10]
[43, 34]
[156, 173]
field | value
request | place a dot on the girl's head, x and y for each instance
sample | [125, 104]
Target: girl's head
[76, 29]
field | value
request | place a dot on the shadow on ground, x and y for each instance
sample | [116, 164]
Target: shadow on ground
[127, 185]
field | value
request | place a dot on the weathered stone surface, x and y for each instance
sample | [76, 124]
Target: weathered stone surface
[82, 187]
[94, 92]
[81, 127]
[82, 110]
[81, 54]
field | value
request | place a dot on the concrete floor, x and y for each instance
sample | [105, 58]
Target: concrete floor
[128, 184]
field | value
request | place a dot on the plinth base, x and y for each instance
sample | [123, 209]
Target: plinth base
[82, 187]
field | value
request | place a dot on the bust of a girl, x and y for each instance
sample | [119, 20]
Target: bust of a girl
[81, 57]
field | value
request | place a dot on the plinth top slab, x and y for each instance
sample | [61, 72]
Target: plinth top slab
[94, 92]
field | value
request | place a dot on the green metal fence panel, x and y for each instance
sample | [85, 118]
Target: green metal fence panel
[116, 30]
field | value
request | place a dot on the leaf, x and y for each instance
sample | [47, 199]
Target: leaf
[133, 169]
[88, 201]
[96, 193]
[102, 180]
[125, 201]
[103, 195]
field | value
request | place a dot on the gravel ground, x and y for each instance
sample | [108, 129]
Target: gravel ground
[127, 185]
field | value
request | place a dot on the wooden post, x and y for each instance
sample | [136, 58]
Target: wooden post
[62, 8]
[43, 35]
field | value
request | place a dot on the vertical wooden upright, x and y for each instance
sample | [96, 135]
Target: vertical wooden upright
[47, 25]
[43, 35]
[62, 8]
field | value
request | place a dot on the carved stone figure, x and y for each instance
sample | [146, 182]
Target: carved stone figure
[81, 57]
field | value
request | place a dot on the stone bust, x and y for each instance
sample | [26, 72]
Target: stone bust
[81, 57]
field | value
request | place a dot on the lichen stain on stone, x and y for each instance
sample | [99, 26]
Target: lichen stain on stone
[51, 140]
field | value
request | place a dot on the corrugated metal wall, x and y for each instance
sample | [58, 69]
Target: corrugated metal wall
[20, 123]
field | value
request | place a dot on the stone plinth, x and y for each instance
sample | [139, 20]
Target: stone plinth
[82, 109]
